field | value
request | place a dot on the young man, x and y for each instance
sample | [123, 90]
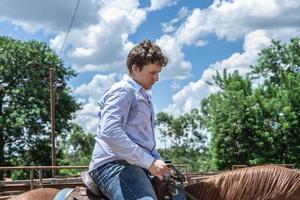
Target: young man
[125, 152]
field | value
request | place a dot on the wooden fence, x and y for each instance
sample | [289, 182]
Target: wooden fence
[14, 187]
[11, 188]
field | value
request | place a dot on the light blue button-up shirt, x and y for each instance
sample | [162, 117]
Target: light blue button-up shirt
[126, 126]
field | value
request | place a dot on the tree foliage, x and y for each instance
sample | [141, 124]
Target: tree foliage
[257, 125]
[76, 147]
[186, 142]
[25, 104]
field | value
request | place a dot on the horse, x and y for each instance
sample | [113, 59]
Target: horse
[268, 182]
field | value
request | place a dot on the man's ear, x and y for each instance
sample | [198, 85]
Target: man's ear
[135, 69]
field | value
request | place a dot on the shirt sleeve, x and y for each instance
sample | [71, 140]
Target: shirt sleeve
[114, 114]
[155, 154]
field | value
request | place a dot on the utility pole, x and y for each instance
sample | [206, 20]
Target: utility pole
[52, 110]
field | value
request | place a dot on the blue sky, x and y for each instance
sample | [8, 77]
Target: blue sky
[198, 36]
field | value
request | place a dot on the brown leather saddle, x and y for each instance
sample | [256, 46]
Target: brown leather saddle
[92, 190]
[94, 193]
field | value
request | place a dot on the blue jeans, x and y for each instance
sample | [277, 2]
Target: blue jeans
[119, 180]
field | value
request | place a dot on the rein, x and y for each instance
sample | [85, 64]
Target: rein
[170, 181]
[183, 191]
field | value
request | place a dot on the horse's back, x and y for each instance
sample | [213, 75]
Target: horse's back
[37, 194]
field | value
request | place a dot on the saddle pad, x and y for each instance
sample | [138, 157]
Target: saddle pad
[81, 193]
[62, 194]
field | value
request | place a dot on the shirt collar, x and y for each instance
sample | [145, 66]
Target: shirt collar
[138, 87]
[132, 82]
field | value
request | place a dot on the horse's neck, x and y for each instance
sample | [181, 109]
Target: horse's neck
[204, 190]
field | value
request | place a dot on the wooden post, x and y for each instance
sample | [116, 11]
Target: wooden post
[52, 110]
[186, 174]
[31, 180]
[41, 177]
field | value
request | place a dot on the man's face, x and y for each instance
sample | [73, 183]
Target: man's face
[147, 76]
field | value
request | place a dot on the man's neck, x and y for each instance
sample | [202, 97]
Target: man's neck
[133, 78]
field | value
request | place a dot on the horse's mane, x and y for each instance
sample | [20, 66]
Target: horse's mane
[259, 183]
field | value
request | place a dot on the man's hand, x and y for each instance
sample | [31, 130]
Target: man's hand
[158, 168]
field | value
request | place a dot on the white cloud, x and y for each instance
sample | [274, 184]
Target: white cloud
[190, 96]
[200, 43]
[97, 86]
[87, 116]
[53, 15]
[159, 4]
[255, 21]
[99, 38]
[172, 25]
[256, 41]
[234, 19]
[168, 27]
[178, 67]
[175, 85]
[104, 46]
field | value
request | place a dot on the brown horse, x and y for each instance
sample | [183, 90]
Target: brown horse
[268, 182]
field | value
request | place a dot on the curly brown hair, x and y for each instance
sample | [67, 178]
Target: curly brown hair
[146, 53]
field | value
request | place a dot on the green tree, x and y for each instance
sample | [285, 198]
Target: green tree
[279, 65]
[229, 117]
[257, 125]
[77, 146]
[25, 104]
[186, 142]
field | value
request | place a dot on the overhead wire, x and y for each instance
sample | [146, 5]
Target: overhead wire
[69, 28]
